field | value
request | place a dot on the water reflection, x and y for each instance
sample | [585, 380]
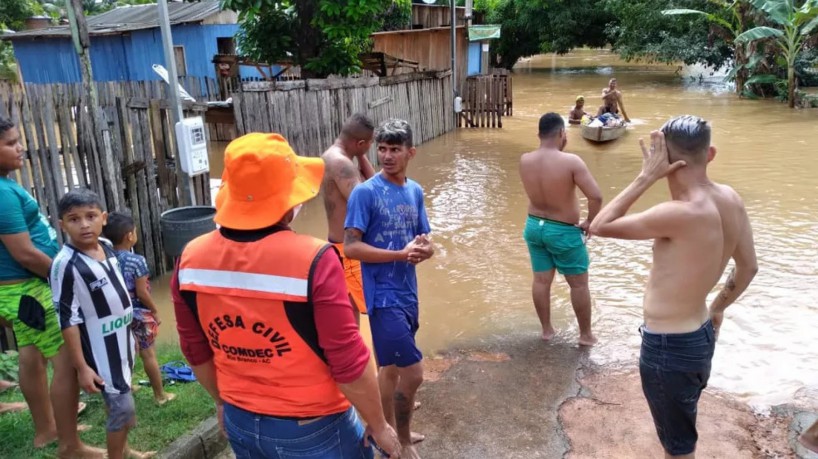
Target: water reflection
[478, 285]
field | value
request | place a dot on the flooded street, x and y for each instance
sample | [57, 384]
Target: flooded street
[477, 287]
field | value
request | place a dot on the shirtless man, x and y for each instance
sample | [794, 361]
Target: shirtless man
[695, 234]
[612, 101]
[340, 177]
[553, 232]
[575, 116]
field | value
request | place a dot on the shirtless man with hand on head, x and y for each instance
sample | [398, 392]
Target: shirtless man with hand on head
[695, 234]
[553, 232]
[340, 177]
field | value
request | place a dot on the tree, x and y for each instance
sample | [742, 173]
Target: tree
[13, 15]
[730, 20]
[534, 26]
[641, 32]
[795, 24]
[324, 37]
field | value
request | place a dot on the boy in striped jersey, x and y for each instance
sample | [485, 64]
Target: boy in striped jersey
[95, 313]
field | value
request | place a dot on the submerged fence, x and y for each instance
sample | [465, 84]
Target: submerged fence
[309, 113]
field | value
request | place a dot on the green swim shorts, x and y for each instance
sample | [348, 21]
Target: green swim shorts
[48, 341]
[554, 244]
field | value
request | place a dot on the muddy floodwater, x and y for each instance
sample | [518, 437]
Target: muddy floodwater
[477, 287]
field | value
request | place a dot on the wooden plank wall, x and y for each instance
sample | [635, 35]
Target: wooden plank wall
[431, 48]
[310, 113]
[57, 138]
[485, 101]
[431, 16]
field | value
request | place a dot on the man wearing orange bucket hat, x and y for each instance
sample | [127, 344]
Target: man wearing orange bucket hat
[265, 321]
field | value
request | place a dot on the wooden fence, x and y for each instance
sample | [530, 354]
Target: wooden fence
[486, 99]
[309, 113]
[56, 135]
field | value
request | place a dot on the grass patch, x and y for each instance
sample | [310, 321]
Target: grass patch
[156, 426]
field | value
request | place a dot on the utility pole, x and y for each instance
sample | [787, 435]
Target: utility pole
[101, 138]
[186, 195]
[454, 47]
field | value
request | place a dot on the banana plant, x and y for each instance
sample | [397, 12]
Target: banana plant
[733, 22]
[794, 25]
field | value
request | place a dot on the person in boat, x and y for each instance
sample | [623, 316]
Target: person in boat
[695, 234]
[612, 101]
[575, 116]
[553, 232]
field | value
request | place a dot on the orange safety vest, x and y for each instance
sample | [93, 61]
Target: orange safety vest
[254, 306]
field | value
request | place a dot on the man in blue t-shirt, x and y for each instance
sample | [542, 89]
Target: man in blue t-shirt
[386, 228]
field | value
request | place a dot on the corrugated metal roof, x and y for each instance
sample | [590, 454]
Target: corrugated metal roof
[127, 18]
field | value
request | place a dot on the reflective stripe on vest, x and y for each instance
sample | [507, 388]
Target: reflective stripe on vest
[251, 284]
[253, 305]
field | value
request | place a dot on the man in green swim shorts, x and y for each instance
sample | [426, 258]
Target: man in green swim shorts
[553, 233]
[27, 245]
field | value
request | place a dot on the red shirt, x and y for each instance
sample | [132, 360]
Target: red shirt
[338, 333]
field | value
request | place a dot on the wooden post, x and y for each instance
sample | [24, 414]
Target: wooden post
[102, 136]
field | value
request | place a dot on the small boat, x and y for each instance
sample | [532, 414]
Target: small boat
[602, 133]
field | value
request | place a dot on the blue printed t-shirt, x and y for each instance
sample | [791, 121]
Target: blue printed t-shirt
[19, 213]
[133, 267]
[389, 216]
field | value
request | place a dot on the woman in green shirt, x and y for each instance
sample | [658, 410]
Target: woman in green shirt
[27, 245]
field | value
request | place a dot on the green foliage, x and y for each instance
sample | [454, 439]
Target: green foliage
[398, 16]
[156, 427]
[324, 37]
[9, 366]
[533, 26]
[795, 24]
[806, 66]
[655, 31]
[760, 33]
[13, 13]
[484, 6]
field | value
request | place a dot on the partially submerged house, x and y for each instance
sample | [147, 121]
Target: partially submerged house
[127, 41]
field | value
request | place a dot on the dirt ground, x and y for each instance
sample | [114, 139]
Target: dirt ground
[522, 398]
[528, 399]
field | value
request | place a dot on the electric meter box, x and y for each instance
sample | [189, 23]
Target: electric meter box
[192, 142]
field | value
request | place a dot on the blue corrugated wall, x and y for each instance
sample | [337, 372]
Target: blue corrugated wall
[120, 57]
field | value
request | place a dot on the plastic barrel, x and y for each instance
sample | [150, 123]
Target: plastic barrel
[182, 225]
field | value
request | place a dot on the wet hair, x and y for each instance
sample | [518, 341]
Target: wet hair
[118, 226]
[5, 125]
[79, 197]
[688, 138]
[551, 124]
[394, 132]
[357, 127]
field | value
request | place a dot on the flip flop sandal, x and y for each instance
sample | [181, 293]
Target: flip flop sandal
[178, 371]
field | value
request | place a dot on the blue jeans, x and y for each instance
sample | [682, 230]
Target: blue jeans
[674, 369]
[337, 436]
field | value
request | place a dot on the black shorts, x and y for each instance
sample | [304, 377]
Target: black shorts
[674, 370]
